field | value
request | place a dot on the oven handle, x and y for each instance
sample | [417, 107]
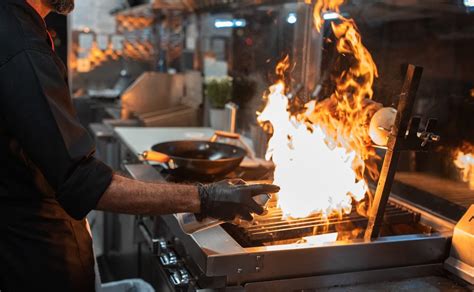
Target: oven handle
[156, 245]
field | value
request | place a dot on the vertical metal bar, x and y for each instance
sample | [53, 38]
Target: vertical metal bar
[231, 110]
[303, 46]
[395, 143]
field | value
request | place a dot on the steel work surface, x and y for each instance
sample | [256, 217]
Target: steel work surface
[139, 139]
[425, 284]
[456, 192]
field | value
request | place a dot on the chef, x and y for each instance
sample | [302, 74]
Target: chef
[49, 178]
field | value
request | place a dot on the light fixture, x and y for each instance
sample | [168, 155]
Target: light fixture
[291, 19]
[229, 23]
[334, 15]
[469, 3]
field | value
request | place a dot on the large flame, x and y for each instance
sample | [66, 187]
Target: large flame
[323, 6]
[465, 162]
[321, 153]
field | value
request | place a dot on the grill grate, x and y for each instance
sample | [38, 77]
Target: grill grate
[271, 228]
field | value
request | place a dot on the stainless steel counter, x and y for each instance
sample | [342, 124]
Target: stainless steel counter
[139, 139]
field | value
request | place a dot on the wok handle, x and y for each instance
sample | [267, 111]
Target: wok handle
[224, 134]
[155, 156]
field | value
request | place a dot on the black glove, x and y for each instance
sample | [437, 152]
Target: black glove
[227, 199]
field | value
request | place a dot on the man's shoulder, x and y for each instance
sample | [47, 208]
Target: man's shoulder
[20, 29]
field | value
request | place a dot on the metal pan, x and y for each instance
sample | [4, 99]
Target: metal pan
[196, 159]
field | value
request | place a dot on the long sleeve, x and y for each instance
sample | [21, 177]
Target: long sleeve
[36, 109]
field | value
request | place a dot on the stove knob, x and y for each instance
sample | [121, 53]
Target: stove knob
[169, 259]
[161, 246]
[156, 245]
[180, 277]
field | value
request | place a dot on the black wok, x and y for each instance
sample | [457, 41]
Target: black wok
[196, 159]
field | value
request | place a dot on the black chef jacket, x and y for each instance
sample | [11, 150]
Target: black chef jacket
[49, 179]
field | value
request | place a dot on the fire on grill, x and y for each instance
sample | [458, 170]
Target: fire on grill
[322, 150]
[272, 229]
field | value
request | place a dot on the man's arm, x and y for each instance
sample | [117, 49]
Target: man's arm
[130, 196]
[222, 200]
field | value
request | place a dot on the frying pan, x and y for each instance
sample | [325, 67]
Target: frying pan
[196, 159]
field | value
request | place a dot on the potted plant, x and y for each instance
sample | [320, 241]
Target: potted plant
[219, 92]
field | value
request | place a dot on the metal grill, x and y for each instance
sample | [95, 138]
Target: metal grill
[272, 228]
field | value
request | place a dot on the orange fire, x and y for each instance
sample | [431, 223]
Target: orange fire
[465, 162]
[323, 6]
[322, 153]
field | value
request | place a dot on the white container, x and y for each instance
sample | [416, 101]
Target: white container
[218, 119]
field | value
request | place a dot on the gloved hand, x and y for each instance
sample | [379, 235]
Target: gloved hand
[227, 199]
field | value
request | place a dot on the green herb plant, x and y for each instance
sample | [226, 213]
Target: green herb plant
[219, 91]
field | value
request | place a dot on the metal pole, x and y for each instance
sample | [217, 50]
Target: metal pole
[231, 109]
[395, 145]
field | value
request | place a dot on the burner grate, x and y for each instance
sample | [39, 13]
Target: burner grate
[271, 228]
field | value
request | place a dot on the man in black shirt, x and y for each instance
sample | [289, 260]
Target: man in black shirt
[49, 179]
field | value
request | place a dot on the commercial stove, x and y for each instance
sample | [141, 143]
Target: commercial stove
[276, 254]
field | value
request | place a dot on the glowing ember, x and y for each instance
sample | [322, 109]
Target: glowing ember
[321, 154]
[465, 162]
[321, 238]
